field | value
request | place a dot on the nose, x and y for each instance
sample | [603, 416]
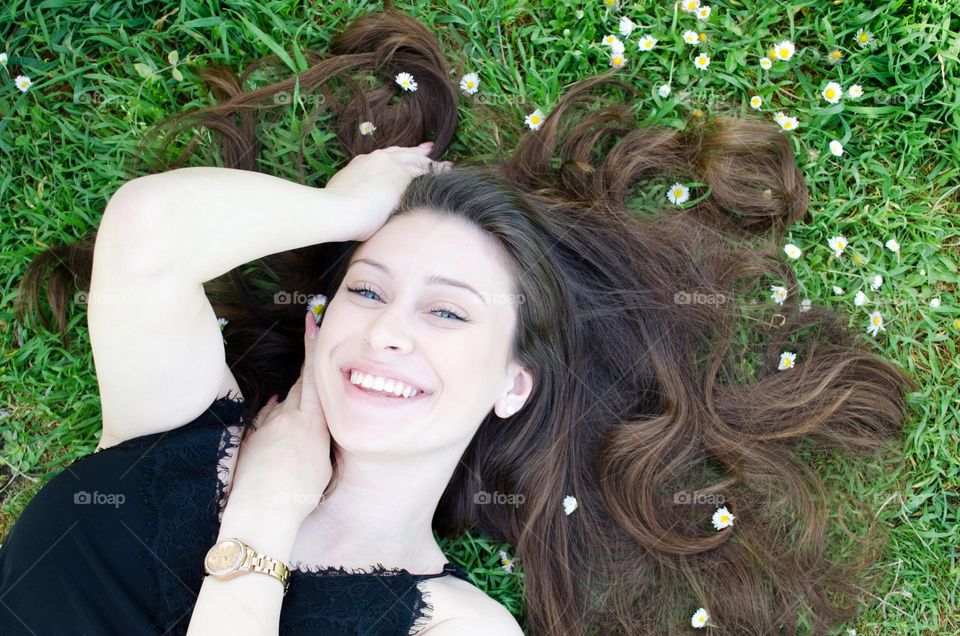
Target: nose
[389, 331]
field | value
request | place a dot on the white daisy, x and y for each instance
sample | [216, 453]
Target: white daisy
[832, 92]
[779, 116]
[837, 244]
[779, 294]
[617, 60]
[23, 82]
[506, 562]
[690, 37]
[3, 59]
[569, 504]
[864, 38]
[699, 618]
[893, 246]
[860, 299]
[805, 305]
[787, 361]
[935, 302]
[765, 63]
[876, 324]
[703, 12]
[406, 81]
[615, 44]
[646, 43]
[470, 83]
[626, 26]
[664, 90]
[367, 127]
[756, 102]
[789, 123]
[838, 290]
[579, 14]
[792, 251]
[855, 91]
[784, 49]
[534, 120]
[678, 193]
[702, 61]
[877, 282]
[836, 148]
[690, 5]
[317, 305]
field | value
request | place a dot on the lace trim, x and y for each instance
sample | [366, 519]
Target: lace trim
[185, 497]
[422, 611]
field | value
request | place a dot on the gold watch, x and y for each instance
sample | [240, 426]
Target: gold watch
[230, 557]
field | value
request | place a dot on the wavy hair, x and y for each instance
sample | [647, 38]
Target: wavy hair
[657, 390]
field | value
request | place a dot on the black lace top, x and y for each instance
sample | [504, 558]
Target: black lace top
[114, 544]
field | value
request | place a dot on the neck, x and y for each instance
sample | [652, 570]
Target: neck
[380, 511]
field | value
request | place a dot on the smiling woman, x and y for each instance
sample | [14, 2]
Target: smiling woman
[565, 352]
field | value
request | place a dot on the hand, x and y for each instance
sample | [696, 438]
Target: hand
[284, 462]
[374, 183]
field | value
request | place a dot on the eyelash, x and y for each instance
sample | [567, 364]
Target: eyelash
[359, 291]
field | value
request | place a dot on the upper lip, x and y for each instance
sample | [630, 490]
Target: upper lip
[384, 372]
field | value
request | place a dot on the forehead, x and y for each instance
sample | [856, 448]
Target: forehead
[420, 244]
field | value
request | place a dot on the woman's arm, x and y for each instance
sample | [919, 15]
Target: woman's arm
[204, 221]
[247, 604]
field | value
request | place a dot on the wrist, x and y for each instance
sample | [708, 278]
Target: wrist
[267, 529]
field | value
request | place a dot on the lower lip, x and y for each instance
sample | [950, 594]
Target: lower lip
[355, 391]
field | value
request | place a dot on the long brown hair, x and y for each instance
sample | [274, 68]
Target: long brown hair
[657, 390]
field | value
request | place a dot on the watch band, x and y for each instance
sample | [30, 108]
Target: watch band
[257, 562]
[230, 557]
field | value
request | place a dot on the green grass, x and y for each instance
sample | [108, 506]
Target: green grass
[64, 142]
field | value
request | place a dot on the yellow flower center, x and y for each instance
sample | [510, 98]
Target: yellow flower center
[864, 37]
[535, 119]
[772, 54]
[703, 36]
[469, 84]
[830, 93]
[784, 51]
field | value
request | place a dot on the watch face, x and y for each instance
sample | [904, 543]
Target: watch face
[224, 557]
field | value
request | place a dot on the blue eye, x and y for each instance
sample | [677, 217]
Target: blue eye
[445, 310]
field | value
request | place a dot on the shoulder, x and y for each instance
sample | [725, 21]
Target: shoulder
[465, 610]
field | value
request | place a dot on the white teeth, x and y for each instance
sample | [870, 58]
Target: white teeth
[382, 384]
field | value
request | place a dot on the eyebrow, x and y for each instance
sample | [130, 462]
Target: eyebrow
[430, 280]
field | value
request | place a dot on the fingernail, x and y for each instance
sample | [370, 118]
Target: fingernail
[426, 143]
[272, 400]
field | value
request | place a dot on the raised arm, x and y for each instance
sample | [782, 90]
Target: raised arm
[206, 221]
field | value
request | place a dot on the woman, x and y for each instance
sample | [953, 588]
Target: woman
[579, 361]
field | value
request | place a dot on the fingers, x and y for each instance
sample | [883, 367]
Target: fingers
[264, 412]
[309, 399]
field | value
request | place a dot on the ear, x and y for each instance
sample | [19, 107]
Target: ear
[517, 389]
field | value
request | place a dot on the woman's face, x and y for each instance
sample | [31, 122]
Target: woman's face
[388, 317]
